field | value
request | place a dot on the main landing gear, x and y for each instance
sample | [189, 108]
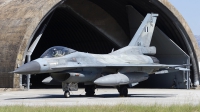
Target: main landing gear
[123, 90]
[90, 90]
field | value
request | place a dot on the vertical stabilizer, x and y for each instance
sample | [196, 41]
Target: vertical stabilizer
[144, 34]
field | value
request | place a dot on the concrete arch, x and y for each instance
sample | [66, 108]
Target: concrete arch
[18, 21]
[189, 38]
[21, 19]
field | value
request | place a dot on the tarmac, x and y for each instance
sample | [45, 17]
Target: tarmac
[54, 97]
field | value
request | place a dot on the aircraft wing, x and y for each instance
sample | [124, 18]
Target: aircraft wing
[157, 66]
[141, 65]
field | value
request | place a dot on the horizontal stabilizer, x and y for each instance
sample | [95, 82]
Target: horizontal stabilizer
[171, 70]
[182, 69]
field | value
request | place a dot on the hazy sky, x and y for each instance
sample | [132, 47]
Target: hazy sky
[190, 10]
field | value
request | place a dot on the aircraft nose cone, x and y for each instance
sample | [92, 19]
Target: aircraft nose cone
[28, 68]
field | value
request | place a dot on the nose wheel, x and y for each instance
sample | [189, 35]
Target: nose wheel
[67, 94]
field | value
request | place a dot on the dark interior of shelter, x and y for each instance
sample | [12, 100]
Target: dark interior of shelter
[72, 24]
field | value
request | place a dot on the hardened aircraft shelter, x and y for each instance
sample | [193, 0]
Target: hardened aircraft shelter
[94, 26]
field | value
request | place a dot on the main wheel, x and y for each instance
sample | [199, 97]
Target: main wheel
[90, 90]
[67, 94]
[123, 91]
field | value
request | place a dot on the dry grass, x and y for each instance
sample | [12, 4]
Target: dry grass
[117, 108]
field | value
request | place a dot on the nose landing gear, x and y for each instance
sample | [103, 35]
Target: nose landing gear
[67, 94]
[69, 87]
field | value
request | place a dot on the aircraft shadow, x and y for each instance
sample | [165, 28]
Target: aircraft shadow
[47, 96]
[134, 96]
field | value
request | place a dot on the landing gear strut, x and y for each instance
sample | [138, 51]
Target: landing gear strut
[69, 87]
[123, 90]
[66, 89]
[90, 90]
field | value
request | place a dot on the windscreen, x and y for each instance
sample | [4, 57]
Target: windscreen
[57, 51]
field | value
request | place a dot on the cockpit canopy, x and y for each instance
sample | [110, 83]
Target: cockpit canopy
[57, 51]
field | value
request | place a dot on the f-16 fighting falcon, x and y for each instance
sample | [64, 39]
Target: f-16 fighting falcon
[126, 66]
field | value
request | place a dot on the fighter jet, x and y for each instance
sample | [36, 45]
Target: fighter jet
[126, 66]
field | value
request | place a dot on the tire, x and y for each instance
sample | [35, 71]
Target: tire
[90, 90]
[67, 94]
[123, 91]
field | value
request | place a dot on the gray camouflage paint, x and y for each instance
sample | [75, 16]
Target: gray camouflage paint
[128, 65]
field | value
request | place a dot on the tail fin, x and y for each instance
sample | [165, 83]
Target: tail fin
[144, 34]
